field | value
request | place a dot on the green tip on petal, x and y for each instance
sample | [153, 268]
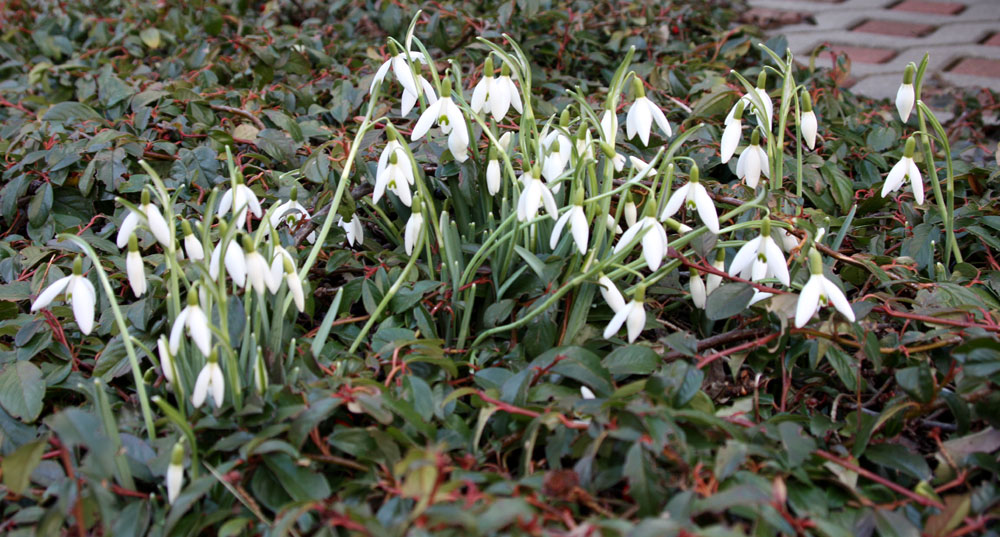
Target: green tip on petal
[807, 103]
[393, 158]
[911, 147]
[133, 244]
[815, 261]
[762, 80]
[908, 73]
[78, 266]
[177, 455]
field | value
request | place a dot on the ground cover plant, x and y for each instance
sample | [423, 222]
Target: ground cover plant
[523, 268]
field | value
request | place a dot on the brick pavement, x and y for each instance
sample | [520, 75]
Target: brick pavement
[882, 36]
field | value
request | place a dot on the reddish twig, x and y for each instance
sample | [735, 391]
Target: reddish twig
[927, 502]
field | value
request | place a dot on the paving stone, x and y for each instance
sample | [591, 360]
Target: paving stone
[864, 54]
[977, 67]
[767, 18]
[930, 8]
[993, 40]
[896, 28]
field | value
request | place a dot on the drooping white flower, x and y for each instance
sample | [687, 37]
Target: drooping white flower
[808, 123]
[696, 198]
[290, 213]
[731, 135]
[905, 171]
[760, 258]
[699, 293]
[258, 271]
[240, 199]
[587, 393]
[79, 292]
[609, 131]
[134, 269]
[191, 319]
[713, 281]
[630, 211]
[400, 68]
[408, 100]
[632, 315]
[753, 162]
[609, 222]
[642, 114]
[789, 242]
[578, 227]
[394, 172]
[819, 291]
[411, 235]
[748, 102]
[355, 233]
[449, 118]
[497, 94]
[210, 381]
[556, 153]
[192, 245]
[166, 360]
[654, 241]
[611, 293]
[905, 95]
[585, 145]
[236, 264]
[283, 266]
[154, 219]
[534, 194]
[175, 473]
[493, 176]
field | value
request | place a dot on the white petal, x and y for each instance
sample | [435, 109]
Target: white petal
[731, 139]
[660, 119]
[295, 287]
[480, 93]
[403, 72]
[548, 201]
[380, 74]
[236, 264]
[916, 182]
[166, 361]
[136, 273]
[580, 229]
[515, 97]
[609, 126]
[84, 299]
[904, 101]
[675, 202]
[636, 321]
[809, 127]
[192, 245]
[557, 230]
[653, 249]
[157, 224]
[493, 177]
[175, 480]
[836, 296]
[611, 294]
[252, 202]
[218, 383]
[177, 330]
[744, 256]
[699, 294]
[765, 167]
[226, 202]
[198, 329]
[406, 103]
[586, 393]
[128, 226]
[776, 261]
[895, 178]
[808, 300]
[458, 143]
[638, 121]
[50, 293]
[426, 120]
[500, 98]
[201, 387]
[706, 208]
[618, 320]
[627, 237]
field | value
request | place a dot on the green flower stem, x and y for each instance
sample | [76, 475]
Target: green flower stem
[798, 148]
[470, 299]
[111, 429]
[181, 422]
[140, 384]
[385, 300]
[949, 219]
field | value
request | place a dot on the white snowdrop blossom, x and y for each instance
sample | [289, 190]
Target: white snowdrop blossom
[495, 94]
[408, 100]
[713, 281]
[191, 319]
[534, 194]
[448, 116]
[210, 381]
[642, 114]
[192, 245]
[258, 271]
[134, 269]
[79, 292]
[731, 135]
[154, 219]
[557, 151]
[748, 103]
[819, 291]
[611, 294]
[493, 176]
[352, 228]
[236, 264]
[696, 198]
[753, 162]
[654, 241]
[609, 130]
[587, 393]
[905, 171]
[290, 213]
[400, 68]
[166, 360]
[807, 123]
[576, 218]
[699, 293]
[395, 172]
[632, 315]
[240, 199]
[905, 95]
[175, 473]
[411, 235]
[760, 258]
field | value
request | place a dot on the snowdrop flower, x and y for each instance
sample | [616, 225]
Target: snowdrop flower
[166, 360]
[905, 95]
[632, 315]
[612, 226]
[236, 264]
[240, 199]
[788, 241]
[905, 171]
[654, 241]
[192, 245]
[449, 118]
[808, 124]
[175, 472]
[584, 144]
[609, 129]
[587, 393]
[760, 258]
[578, 225]
[408, 100]
[497, 94]
[556, 150]
[819, 291]
[699, 293]
[731, 136]
[642, 114]
[257, 269]
[154, 219]
[193, 320]
[395, 172]
[294, 285]
[748, 102]
[210, 381]
[79, 292]
[411, 235]
[611, 294]
[290, 213]
[533, 195]
[260, 373]
[630, 211]
[493, 175]
[753, 162]
[133, 268]
[695, 197]
[283, 266]
[713, 281]
[355, 233]
[400, 68]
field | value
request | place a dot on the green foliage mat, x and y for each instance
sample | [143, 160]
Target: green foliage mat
[726, 421]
